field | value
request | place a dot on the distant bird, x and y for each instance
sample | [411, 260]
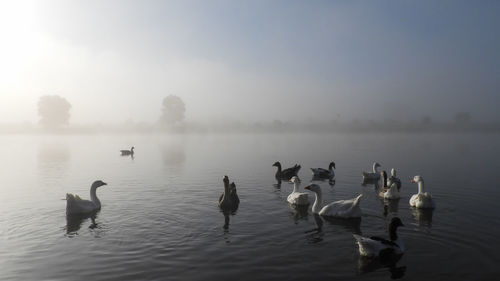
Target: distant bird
[286, 174]
[380, 247]
[324, 173]
[342, 208]
[127, 152]
[421, 200]
[76, 205]
[229, 200]
[296, 197]
[393, 179]
[374, 175]
[388, 192]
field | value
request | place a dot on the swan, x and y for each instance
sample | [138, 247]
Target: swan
[229, 199]
[342, 208]
[394, 179]
[388, 192]
[286, 174]
[373, 175]
[296, 197]
[76, 205]
[324, 173]
[380, 247]
[421, 200]
[128, 152]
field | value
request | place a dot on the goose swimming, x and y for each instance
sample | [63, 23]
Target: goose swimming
[342, 208]
[324, 173]
[380, 247]
[296, 197]
[421, 200]
[286, 174]
[229, 200]
[393, 179]
[76, 205]
[388, 192]
[374, 175]
[127, 152]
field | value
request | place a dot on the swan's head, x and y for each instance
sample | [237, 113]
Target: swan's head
[98, 183]
[277, 164]
[313, 187]
[332, 164]
[226, 180]
[376, 164]
[232, 185]
[393, 172]
[417, 179]
[295, 179]
[395, 222]
[132, 149]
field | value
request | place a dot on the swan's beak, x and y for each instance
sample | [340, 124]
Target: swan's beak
[104, 183]
[412, 181]
[308, 187]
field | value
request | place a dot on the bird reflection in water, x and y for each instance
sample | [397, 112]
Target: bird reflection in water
[299, 212]
[366, 265]
[374, 182]
[350, 224]
[74, 223]
[423, 216]
[315, 235]
[331, 182]
[390, 206]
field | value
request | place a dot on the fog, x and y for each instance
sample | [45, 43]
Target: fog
[252, 62]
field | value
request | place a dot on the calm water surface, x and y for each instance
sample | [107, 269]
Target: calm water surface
[160, 218]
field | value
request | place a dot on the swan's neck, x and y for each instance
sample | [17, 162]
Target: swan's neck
[295, 187]
[93, 196]
[375, 169]
[421, 187]
[318, 202]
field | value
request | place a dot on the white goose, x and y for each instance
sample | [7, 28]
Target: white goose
[324, 173]
[374, 175]
[76, 205]
[388, 192]
[421, 200]
[379, 247]
[342, 208]
[296, 197]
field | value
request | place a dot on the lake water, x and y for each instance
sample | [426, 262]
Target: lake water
[160, 219]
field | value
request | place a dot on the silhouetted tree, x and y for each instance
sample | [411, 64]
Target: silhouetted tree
[462, 118]
[173, 111]
[53, 111]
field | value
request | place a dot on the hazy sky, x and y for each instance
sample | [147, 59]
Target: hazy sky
[251, 60]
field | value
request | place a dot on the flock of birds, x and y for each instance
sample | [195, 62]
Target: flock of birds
[347, 209]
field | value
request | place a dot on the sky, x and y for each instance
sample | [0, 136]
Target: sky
[252, 61]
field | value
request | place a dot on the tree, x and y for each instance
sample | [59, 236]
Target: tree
[173, 111]
[53, 111]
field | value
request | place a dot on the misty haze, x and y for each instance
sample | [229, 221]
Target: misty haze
[249, 140]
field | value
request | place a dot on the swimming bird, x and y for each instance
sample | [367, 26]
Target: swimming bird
[324, 173]
[229, 200]
[296, 197]
[372, 175]
[380, 247]
[421, 200]
[393, 179]
[76, 205]
[388, 192]
[342, 208]
[127, 152]
[286, 174]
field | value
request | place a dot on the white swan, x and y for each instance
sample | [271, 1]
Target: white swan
[388, 192]
[342, 208]
[76, 205]
[296, 197]
[373, 175]
[379, 247]
[421, 200]
[324, 173]
[393, 179]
